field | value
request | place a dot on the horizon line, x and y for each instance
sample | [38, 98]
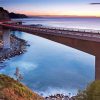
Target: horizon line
[63, 16]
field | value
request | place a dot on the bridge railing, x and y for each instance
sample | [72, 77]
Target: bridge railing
[56, 28]
[74, 29]
[68, 29]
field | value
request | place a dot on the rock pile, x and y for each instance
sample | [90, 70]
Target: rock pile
[59, 97]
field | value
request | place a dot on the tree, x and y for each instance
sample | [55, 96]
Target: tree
[18, 75]
[92, 92]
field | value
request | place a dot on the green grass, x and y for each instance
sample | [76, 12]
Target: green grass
[92, 92]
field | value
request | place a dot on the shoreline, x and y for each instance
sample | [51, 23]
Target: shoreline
[18, 47]
[60, 97]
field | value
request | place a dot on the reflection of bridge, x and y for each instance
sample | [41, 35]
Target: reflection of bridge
[86, 41]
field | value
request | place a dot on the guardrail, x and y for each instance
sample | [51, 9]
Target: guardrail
[74, 29]
[59, 28]
[68, 29]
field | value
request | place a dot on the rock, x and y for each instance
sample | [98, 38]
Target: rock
[5, 15]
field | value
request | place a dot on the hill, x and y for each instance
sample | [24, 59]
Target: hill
[14, 15]
[4, 14]
[11, 89]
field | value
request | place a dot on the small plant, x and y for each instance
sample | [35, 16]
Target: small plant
[18, 75]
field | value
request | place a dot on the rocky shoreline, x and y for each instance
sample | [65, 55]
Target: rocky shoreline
[18, 46]
[60, 97]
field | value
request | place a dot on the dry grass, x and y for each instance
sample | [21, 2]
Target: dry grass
[11, 89]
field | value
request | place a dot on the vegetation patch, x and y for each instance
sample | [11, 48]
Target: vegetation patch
[92, 92]
[11, 89]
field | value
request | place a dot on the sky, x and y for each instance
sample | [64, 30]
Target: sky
[53, 7]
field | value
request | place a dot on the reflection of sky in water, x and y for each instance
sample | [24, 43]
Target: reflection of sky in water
[48, 66]
[51, 67]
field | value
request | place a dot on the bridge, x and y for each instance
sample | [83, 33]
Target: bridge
[84, 40]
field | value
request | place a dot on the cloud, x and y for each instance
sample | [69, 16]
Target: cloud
[94, 3]
[26, 66]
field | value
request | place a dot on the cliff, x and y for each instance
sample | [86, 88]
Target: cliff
[14, 15]
[4, 14]
[11, 89]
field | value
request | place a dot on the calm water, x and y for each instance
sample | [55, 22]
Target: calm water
[49, 67]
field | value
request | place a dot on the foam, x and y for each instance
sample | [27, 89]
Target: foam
[53, 91]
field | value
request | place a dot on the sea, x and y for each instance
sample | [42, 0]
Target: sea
[49, 67]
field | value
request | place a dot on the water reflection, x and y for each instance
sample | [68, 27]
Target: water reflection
[50, 66]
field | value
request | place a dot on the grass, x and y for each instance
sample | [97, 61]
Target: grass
[11, 89]
[92, 92]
